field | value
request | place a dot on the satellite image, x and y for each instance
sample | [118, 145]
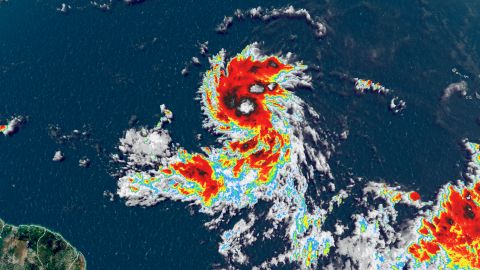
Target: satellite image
[309, 134]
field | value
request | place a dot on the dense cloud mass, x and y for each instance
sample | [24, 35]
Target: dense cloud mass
[258, 121]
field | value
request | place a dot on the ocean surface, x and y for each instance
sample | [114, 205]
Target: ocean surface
[92, 70]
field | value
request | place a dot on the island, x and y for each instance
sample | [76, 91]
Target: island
[35, 247]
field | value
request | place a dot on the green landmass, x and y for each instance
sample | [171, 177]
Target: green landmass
[35, 247]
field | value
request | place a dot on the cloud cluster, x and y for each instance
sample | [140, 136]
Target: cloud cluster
[12, 125]
[266, 15]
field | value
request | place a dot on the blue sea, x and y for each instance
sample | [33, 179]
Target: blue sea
[93, 70]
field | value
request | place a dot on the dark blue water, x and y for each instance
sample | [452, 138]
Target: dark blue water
[98, 69]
